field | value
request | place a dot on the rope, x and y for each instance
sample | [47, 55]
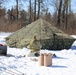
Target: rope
[9, 73]
[12, 73]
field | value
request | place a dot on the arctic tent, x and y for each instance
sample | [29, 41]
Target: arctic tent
[47, 35]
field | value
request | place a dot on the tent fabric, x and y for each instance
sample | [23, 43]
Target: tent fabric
[49, 36]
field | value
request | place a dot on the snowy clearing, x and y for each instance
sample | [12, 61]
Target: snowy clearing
[16, 64]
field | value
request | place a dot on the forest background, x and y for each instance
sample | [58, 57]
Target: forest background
[15, 14]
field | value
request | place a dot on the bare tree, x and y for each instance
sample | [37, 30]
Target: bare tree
[69, 6]
[35, 10]
[17, 8]
[66, 18]
[30, 11]
[59, 13]
[65, 12]
[38, 9]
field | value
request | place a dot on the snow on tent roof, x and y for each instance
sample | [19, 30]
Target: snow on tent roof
[49, 36]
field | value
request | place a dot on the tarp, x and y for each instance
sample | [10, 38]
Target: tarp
[49, 36]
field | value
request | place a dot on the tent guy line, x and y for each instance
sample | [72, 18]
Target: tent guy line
[12, 72]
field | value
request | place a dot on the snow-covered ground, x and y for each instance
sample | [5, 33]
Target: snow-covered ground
[16, 64]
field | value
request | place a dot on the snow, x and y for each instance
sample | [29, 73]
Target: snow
[15, 63]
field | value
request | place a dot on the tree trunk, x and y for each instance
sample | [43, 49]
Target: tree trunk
[59, 13]
[17, 8]
[66, 22]
[63, 13]
[38, 9]
[66, 6]
[30, 11]
[35, 10]
[69, 6]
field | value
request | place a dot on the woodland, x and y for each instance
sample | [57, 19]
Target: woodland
[16, 17]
